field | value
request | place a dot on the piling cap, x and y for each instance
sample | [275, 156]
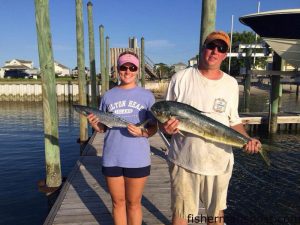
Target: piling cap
[218, 35]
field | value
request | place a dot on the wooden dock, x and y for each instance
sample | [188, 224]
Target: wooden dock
[84, 198]
[286, 120]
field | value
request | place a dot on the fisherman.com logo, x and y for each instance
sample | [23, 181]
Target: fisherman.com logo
[266, 220]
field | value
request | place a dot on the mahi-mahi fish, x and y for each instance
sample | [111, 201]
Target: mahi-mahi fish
[106, 118]
[193, 121]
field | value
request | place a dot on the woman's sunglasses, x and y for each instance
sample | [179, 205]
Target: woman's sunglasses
[212, 46]
[132, 68]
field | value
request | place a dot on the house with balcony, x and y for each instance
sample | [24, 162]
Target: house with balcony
[18, 65]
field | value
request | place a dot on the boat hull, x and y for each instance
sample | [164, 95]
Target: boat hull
[288, 49]
[280, 29]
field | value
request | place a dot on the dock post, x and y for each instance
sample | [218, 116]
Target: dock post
[143, 62]
[52, 150]
[280, 97]
[247, 81]
[81, 69]
[208, 20]
[107, 68]
[92, 55]
[282, 64]
[102, 65]
[247, 87]
[129, 42]
[275, 89]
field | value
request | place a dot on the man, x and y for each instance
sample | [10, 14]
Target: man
[199, 169]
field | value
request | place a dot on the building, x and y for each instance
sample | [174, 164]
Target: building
[75, 72]
[178, 66]
[192, 61]
[20, 65]
[61, 70]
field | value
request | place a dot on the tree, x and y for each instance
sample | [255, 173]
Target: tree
[246, 37]
[163, 70]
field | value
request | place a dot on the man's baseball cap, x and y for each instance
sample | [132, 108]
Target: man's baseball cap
[218, 35]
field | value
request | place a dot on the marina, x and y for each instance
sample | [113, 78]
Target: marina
[50, 158]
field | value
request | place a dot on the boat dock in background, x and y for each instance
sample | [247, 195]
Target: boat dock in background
[287, 121]
[84, 198]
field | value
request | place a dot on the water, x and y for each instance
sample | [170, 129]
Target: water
[259, 195]
[22, 159]
[255, 191]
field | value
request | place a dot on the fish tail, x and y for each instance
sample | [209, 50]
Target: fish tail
[264, 155]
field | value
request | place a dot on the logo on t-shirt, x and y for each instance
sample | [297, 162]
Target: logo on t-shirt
[219, 105]
[125, 107]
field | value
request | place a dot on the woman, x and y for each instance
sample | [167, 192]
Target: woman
[126, 152]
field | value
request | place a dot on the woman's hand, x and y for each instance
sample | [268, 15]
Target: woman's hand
[137, 131]
[95, 123]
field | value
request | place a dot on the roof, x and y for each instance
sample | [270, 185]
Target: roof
[194, 58]
[19, 60]
[20, 67]
[61, 65]
[179, 64]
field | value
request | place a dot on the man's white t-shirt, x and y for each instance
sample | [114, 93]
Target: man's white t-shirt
[217, 99]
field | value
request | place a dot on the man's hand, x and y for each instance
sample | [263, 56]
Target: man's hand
[253, 146]
[170, 127]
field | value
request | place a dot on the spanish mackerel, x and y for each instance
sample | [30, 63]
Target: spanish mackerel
[108, 119]
[193, 121]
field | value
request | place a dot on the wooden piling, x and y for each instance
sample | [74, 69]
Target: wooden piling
[208, 20]
[129, 42]
[247, 86]
[92, 55]
[247, 81]
[274, 98]
[102, 64]
[81, 69]
[107, 67]
[142, 62]
[52, 150]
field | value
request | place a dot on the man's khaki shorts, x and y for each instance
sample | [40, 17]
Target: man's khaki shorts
[187, 188]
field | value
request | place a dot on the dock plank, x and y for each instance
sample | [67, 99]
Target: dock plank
[84, 198]
[262, 118]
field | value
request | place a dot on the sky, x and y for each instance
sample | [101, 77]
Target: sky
[171, 28]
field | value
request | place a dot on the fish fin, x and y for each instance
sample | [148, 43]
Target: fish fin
[142, 124]
[182, 134]
[269, 148]
[265, 157]
[181, 118]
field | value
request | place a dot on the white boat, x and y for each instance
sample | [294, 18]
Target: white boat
[280, 29]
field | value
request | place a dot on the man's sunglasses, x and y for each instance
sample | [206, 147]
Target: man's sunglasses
[132, 68]
[212, 46]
